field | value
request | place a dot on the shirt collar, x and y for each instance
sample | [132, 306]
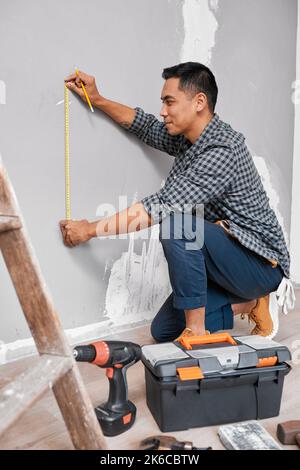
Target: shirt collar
[209, 131]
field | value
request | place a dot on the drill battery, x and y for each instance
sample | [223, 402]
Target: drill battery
[214, 379]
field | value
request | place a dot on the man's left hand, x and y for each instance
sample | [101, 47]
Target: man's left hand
[75, 232]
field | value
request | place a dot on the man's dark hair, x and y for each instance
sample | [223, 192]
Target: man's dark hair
[195, 78]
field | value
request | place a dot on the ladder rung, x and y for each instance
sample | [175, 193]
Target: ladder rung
[19, 395]
[9, 222]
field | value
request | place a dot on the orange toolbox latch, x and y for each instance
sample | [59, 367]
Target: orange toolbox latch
[190, 373]
[267, 361]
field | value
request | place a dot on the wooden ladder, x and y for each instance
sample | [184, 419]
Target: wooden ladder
[56, 367]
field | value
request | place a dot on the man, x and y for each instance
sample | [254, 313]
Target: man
[243, 256]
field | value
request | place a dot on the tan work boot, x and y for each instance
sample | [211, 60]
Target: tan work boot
[188, 332]
[261, 315]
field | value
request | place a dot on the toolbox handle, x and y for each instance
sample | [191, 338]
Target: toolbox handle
[188, 341]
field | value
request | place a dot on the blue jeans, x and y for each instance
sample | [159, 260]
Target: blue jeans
[220, 272]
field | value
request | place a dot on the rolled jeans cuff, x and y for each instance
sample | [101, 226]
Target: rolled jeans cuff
[189, 303]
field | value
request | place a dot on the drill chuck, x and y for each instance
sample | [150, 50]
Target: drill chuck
[84, 353]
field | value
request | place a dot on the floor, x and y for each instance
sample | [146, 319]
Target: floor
[42, 426]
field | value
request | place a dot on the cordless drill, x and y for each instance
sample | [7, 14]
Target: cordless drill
[118, 413]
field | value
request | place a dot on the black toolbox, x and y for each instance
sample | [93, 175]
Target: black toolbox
[214, 379]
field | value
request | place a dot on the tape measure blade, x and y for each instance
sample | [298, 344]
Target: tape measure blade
[67, 156]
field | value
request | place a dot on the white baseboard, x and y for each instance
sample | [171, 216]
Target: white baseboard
[22, 348]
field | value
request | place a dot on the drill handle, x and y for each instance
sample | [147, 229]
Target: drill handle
[118, 390]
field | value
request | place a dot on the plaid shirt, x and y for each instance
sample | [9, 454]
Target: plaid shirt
[218, 172]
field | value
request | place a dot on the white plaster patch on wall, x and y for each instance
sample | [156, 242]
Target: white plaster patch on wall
[62, 102]
[271, 192]
[213, 4]
[105, 269]
[296, 92]
[138, 284]
[2, 92]
[200, 26]
[295, 220]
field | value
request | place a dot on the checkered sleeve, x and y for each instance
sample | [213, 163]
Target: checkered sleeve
[205, 179]
[154, 133]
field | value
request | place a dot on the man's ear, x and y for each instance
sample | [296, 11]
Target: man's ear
[201, 101]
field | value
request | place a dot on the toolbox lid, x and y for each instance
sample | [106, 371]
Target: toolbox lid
[197, 357]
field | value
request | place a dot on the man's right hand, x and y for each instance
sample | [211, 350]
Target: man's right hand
[121, 114]
[73, 82]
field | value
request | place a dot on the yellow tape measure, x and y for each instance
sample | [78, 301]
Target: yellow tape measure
[67, 156]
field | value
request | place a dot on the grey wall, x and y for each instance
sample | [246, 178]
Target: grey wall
[125, 44]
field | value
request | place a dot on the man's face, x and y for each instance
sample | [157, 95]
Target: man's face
[179, 109]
